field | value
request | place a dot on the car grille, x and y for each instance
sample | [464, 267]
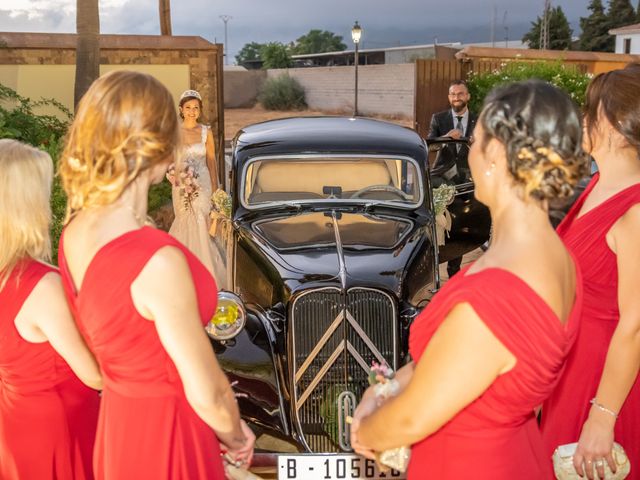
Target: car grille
[333, 349]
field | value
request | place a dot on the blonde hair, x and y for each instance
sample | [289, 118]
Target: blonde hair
[26, 175]
[125, 124]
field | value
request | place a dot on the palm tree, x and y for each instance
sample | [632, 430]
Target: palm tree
[165, 17]
[88, 46]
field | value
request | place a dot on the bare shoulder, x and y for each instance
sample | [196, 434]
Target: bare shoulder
[50, 284]
[630, 221]
[166, 259]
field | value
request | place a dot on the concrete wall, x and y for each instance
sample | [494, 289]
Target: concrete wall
[382, 89]
[635, 43]
[241, 87]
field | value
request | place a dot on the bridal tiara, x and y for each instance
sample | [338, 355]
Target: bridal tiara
[190, 93]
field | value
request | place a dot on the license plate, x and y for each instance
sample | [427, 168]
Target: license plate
[330, 467]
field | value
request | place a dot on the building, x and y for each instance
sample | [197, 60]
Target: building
[627, 38]
[384, 56]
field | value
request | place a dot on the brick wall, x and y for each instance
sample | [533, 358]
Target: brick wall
[382, 89]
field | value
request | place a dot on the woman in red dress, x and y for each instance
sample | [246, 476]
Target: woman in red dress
[598, 398]
[490, 346]
[141, 298]
[48, 417]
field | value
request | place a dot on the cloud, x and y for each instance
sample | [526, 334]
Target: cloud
[385, 23]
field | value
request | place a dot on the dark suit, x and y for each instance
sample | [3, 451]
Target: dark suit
[441, 124]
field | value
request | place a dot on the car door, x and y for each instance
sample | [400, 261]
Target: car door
[470, 220]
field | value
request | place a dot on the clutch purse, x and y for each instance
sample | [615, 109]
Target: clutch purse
[564, 470]
[395, 458]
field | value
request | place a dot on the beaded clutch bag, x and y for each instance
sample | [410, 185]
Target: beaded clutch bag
[564, 470]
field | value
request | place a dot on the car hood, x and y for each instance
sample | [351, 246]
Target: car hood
[302, 248]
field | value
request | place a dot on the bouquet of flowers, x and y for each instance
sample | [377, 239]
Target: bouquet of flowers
[221, 215]
[385, 386]
[222, 202]
[443, 197]
[186, 182]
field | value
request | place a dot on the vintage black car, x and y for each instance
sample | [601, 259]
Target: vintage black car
[331, 248]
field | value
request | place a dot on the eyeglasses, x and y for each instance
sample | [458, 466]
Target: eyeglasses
[459, 94]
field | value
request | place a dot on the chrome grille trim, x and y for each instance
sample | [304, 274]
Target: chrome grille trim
[331, 354]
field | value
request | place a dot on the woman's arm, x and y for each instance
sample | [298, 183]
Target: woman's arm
[45, 316]
[623, 356]
[211, 161]
[461, 361]
[164, 292]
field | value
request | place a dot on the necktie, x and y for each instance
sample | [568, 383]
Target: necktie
[459, 127]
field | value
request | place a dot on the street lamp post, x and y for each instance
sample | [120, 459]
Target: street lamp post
[225, 19]
[356, 33]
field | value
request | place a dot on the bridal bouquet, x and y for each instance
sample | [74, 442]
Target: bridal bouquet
[385, 386]
[186, 182]
[442, 197]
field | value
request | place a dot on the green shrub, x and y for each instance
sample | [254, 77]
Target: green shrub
[565, 77]
[19, 121]
[282, 93]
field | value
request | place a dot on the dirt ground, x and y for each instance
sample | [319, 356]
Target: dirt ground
[236, 118]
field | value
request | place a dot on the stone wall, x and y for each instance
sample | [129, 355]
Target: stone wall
[138, 52]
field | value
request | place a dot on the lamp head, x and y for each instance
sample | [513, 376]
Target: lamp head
[356, 32]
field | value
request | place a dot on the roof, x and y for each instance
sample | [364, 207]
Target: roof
[328, 134]
[376, 50]
[531, 54]
[635, 28]
[107, 41]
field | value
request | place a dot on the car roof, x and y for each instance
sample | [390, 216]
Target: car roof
[308, 135]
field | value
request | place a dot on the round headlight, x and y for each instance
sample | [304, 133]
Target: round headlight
[229, 318]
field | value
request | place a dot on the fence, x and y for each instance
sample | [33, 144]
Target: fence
[433, 78]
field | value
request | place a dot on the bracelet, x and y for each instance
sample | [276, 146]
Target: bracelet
[599, 406]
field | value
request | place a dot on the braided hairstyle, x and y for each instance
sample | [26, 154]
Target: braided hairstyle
[541, 130]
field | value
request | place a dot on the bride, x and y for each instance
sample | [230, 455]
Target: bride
[194, 179]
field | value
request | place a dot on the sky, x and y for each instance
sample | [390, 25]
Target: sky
[385, 23]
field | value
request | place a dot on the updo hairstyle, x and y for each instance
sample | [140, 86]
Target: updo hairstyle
[617, 95]
[541, 130]
[124, 125]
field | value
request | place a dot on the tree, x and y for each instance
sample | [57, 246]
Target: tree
[319, 41]
[275, 55]
[250, 52]
[595, 30]
[620, 13]
[165, 16]
[87, 47]
[559, 31]
[638, 12]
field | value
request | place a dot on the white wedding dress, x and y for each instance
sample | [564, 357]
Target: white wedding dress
[192, 221]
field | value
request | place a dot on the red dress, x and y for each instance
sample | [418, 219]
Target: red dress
[146, 429]
[565, 412]
[496, 436]
[48, 417]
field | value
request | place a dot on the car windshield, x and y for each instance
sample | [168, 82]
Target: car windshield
[340, 179]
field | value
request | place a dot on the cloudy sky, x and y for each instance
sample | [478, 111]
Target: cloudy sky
[385, 23]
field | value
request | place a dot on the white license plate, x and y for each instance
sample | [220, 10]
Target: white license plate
[331, 467]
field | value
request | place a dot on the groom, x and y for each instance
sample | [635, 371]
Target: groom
[456, 122]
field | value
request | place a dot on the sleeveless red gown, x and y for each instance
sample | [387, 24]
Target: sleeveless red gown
[48, 417]
[565, 412]
[496, 437]
[146, 429]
